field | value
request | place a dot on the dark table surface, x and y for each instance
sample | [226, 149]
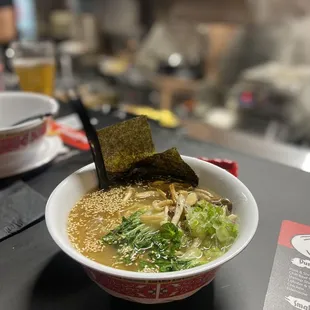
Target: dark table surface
[35, 274]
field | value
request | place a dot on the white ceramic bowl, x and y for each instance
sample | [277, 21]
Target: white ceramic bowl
[152, 287]
[16, 106]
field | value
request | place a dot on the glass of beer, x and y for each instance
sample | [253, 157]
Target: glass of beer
[34, 63]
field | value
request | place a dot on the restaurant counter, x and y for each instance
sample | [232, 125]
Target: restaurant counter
[35, 274]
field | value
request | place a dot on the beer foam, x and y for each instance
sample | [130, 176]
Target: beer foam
[31, 62]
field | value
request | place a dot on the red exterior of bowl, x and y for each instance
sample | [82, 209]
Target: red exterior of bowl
[151, 292]
[19, 140]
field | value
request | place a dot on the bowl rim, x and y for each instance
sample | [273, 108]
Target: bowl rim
[133, 275]
[29, 125]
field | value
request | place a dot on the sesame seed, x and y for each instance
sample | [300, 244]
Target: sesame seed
[93, 216]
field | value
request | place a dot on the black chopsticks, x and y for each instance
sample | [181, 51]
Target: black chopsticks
[92, 137]
[32, 118]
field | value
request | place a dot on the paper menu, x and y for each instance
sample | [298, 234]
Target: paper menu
[289, 285]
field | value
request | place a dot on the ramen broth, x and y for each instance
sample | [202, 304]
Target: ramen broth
[197, 222]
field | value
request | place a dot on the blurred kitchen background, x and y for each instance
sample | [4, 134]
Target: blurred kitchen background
[239, 66]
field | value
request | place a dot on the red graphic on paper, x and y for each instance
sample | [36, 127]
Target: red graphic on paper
[182, 287]
[289, 230]
[70, 136]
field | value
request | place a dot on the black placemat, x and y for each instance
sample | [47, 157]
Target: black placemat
[20, 206]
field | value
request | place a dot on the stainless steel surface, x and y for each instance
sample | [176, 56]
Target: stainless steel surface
[249, 144]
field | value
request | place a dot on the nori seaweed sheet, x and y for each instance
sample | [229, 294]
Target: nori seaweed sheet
[168, 164]
[129, 155]
[125, 143]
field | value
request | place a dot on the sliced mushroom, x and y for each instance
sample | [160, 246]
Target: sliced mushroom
[178, 210]
[171, 211]
[204, 197]
[191, 199]
[128, 194]
[223, 202]
[202, 191]
[157, 183]
[166, 214]
[161, 193]
[182, 185]
[159, 205]
[147, 194]
[183, 192]
[173, 192]
[229, 205]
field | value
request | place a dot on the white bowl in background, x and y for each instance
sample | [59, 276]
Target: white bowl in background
[16, 106]
[152, 287]
[21, 141]
[18, 144]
